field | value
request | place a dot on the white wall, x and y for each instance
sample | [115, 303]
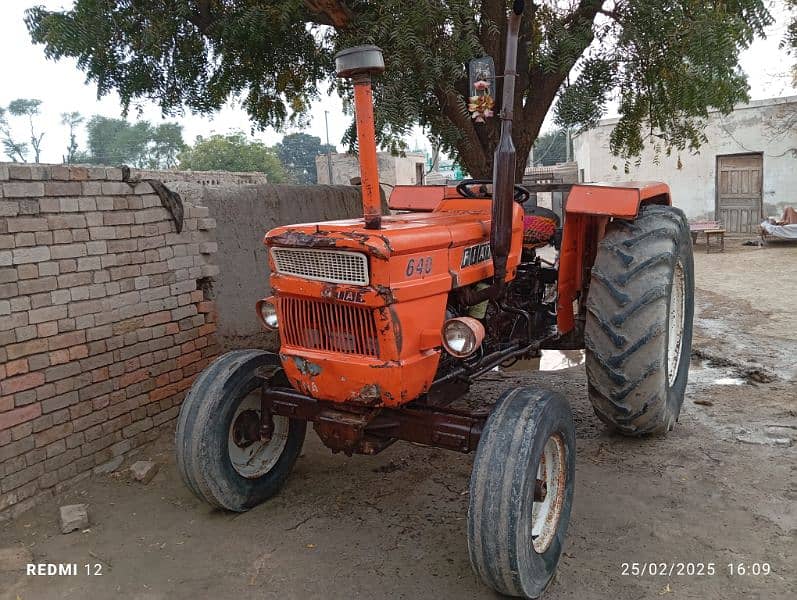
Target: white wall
[393, 170]
[756, 127]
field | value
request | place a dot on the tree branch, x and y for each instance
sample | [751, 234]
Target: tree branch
[493, 11]
[202, 18]
[330, 12]
[469, 147]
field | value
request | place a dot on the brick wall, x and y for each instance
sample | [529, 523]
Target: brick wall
[103, 322]
[214, 178]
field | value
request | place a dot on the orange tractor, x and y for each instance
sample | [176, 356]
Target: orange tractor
[385, 321]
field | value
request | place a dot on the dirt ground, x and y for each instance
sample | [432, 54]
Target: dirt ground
[719, 489]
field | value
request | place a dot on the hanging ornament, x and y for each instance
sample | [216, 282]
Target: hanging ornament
[481, 72]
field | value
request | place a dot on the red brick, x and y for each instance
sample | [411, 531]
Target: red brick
[187, 359]
[172, 328]
[207, 329]
[100, 374]
[185, 383]
[61, 460]
[66, 340]
[157, 318]
[22, 382]
[48, 436]
[48, 480]
[77, 352]
[47, 329]
[117, 423]
[133, 377]
[101, 402]
[93, 418]
[6, 403]
[13, 465]
[19, 415]
[163, 392]
[26, 348]
[16, 367]
[45, 391]
[132, 365]
[93, 433]
[59, 357]
[21, 477]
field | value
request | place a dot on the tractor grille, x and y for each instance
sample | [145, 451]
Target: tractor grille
[328, 327]
[335, 266]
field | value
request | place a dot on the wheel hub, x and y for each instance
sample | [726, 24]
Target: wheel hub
[549, 493]
[246, 429]
[252, 454]
[675, 331]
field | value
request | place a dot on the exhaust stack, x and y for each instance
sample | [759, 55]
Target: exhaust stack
[503, 174]
[504, 159]
[358, 64]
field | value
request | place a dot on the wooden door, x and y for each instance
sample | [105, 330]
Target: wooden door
[739, 181]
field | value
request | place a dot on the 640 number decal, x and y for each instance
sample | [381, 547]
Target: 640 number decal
[419, 266]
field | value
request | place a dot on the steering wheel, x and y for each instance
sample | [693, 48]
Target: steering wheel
[520, 195]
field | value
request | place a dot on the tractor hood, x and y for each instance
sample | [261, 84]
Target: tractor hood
[400, 234]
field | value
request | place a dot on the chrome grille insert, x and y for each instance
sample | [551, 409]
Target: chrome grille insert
[334, 266]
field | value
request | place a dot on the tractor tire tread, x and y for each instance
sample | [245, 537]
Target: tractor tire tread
[627, 321]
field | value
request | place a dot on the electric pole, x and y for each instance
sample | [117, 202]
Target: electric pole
[329, 149]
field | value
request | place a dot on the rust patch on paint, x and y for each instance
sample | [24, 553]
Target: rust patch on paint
[306, 367]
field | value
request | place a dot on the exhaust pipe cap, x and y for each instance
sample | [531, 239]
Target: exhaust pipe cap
[360, 60]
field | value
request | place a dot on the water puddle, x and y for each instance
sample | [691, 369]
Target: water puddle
[551, 360]
[707, 370]
[729, 381]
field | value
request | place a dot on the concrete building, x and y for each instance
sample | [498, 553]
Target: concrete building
[746, 170]
[393, 170]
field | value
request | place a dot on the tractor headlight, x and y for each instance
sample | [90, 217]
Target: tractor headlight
[462, 336]
[267, 314]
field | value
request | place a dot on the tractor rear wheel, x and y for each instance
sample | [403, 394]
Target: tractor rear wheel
[219, 451]
[521, 491]
[638, 333]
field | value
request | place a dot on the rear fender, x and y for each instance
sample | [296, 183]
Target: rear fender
[589, 208]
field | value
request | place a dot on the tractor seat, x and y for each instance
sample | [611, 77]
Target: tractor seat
[539, 226]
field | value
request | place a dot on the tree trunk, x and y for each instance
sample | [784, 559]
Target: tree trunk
[535, 91]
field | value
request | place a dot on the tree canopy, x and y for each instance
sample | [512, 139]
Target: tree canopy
[551, 148]
[71, 120]
[790, 40]
[13, 147]
[665, 62]
[298, 151]
[232, 152]
[28, 108]
[140, 144]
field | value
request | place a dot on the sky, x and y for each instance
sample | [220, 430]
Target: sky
[62, 87]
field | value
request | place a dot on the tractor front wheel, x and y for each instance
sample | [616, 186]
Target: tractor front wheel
[638, 333]
[521, 491]
[220, 453]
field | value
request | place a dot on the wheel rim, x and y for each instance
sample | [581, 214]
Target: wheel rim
[552, 473]
[250, 456]
[676, 323]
